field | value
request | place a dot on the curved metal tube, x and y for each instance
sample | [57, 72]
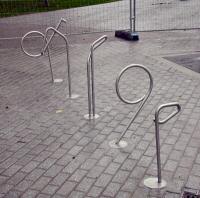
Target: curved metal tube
[90, 75]
[40, 33]
[157, 133]
[119, 77]
[58, 25]
[173, 104]
[51, 37]
[67, 50]
[40, 54]
[55, 31]
[46, 46]
[22, 41]
[143, 99]
[99, 42]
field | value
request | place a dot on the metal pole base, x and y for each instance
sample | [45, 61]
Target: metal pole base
[91, 117]
[120, 144]
[127, 35]
[59, 111]
[152, 183]
[58, 80]
[74, 96]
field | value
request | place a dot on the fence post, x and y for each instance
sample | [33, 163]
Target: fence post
[130, 34]
[46, 3]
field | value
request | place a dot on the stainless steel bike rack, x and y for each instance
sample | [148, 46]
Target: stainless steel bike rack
[158, 182]
[72, 96]
[119, 143]
[90, 79]
[41, 53]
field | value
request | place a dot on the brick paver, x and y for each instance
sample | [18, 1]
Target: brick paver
[45, 153]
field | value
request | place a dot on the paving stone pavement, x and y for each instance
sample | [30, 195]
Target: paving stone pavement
[48, 149]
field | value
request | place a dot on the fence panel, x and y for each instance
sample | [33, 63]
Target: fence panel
[95, 18]
[150, 15]
[167, 14]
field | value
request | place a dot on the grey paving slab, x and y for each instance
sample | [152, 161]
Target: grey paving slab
[50, 153]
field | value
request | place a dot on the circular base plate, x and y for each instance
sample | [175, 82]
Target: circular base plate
[58, 80]
[74, 96]
[153, 183]
[88, 117]
[59, 111]
[121, 144]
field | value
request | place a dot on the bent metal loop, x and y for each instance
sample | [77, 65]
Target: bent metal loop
[46, 48]
[41, 53]
[119, 143]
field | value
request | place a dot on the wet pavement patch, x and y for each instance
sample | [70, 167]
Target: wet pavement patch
[190, 61]
[190, 195]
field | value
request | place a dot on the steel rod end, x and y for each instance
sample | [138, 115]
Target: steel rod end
[91, 117]
[152, 183]
[118, 144]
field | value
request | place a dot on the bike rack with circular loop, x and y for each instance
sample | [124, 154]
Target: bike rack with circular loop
[118, 143]
[158, 182]
[42, 51]
[90, 79]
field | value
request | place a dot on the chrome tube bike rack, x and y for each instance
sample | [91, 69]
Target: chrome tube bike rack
[90, 79]
[41, 53]
[46, 48]
[118, 143]
[158, 182]
[37, 55]
[72, 96]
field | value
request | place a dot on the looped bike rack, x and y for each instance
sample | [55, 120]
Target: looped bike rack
[90, 79]
[119, 143]
[41, 53]
[158, 182]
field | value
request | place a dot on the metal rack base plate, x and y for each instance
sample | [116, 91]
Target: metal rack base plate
[121, 144]
[74, 96]
[58, 80]
[88, 117]
[152, 183]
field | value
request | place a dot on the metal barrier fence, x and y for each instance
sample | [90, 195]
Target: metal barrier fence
[150, 15]
[167, 14]
[96, 18]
